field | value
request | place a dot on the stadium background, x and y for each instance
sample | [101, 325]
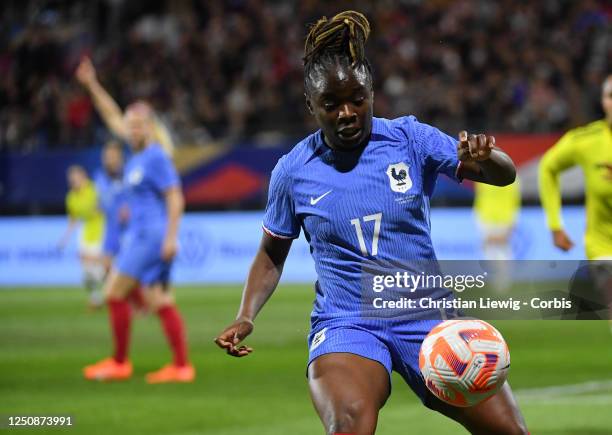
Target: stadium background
[225, 77]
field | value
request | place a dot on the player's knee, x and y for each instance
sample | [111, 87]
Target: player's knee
[115, 289]
[112, 292]
[154, 304]
[354, 417]
[157, 299]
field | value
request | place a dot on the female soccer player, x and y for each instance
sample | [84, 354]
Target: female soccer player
[155, 204]
[359, 188]
[590, 147]
[82, 205]
[109, 185]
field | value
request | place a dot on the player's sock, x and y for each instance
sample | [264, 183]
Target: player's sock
[120, 318]
[98, 273]
[94, 280]
[96, 298]
[95, 294]
[175, 331]
[88, 280]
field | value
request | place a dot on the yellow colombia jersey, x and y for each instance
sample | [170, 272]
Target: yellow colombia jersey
[591, 148]
[83, 205]
[496, 205]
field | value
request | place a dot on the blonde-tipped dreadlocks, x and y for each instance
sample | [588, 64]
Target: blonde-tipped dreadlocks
[340, 39]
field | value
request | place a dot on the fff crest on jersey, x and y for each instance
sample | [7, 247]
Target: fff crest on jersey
[399, 177]
[135, 176]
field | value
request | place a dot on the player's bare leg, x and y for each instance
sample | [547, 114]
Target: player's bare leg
[135, 296]
[93, 279]
[160, 299]
[348, 391]
[118, 286]
[158, 296]
[118, 366]
[499, 415]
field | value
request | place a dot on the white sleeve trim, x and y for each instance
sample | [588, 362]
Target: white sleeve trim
[278, 236]
[458, 175]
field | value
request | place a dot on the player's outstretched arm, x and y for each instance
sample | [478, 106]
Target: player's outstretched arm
[72, 226]
[482, 161]
[262, 281]
[108, 109]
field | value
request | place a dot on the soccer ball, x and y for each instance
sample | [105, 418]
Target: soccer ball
[464, 362]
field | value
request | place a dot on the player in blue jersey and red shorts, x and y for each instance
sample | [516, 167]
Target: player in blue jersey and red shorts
[359, 188]
[153, 195]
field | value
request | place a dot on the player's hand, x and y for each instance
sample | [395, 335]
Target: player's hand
[562, 240]
[231, 337]
[608, 168]
[474, 148]
[169, 249]
[85, 72]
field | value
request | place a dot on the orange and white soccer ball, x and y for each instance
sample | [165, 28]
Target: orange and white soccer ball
[464, 362]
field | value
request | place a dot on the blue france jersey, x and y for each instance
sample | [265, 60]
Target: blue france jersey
[111, 197]
[148, 175]
[361, 206]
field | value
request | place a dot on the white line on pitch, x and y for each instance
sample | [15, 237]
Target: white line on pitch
[565, 390]
[583, 399]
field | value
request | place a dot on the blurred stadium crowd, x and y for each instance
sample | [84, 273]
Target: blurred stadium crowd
[232, 70]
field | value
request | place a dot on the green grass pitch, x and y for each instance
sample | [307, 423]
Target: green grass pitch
[46, 337]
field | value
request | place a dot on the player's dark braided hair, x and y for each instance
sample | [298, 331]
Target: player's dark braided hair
[340, 40]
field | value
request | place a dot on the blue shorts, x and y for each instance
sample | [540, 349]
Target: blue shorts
[394, 344]
[140, 257]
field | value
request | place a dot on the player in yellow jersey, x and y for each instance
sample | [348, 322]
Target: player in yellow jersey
[496, 210]
[590, 147]
[82, 207]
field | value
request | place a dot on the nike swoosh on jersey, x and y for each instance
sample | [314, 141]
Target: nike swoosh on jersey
[313, 201]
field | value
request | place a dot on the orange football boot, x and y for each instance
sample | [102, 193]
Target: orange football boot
[108, 370]
[171, 373]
